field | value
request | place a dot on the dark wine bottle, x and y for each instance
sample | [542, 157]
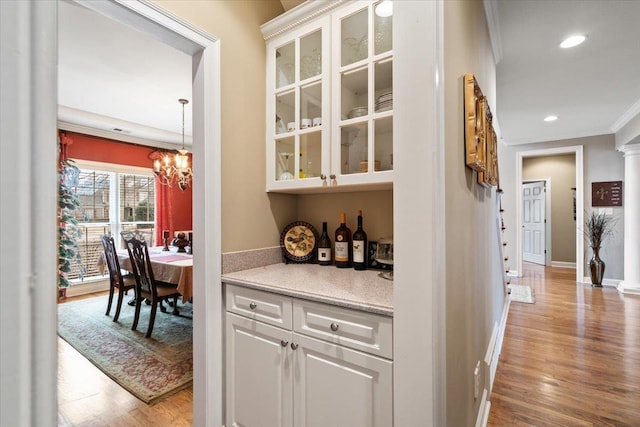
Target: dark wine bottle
[324, 247]
[343, 243]
[359, 245]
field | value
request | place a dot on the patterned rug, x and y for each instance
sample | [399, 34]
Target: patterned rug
[150, 368]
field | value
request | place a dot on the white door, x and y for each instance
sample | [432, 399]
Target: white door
[258, 374]
[533, 222]
[336, 386]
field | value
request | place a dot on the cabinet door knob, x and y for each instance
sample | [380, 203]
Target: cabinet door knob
[284, 343]
[323, 176]
[253, 306]
[334, 327]
[294, 346]
[332, 176]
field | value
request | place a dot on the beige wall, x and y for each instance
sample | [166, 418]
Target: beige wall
[376, 206]
[475, 290]
[251, 218]
[562, 172]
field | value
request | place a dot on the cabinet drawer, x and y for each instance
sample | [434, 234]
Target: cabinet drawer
[367, 332]
[266, 307]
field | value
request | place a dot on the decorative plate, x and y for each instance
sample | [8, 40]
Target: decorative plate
[298, 242]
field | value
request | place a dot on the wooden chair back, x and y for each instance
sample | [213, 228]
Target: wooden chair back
[116, 280]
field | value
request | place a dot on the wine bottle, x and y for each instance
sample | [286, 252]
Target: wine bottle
[324, 247]
[343, 243]
[359, 245]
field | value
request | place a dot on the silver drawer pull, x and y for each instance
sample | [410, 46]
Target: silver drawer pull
[334, 327]
[253, 306]
[284, 343]
[294, 346]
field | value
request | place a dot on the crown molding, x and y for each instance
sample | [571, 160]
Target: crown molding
[116, 136]
[559, 137]
[630, 114]
[491, 13]
[301, 14]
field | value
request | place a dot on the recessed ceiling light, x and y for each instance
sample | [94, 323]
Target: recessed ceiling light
[551, 118]
[384, 9]
[572, 41]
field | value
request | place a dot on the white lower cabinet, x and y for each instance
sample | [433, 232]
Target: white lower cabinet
[258, 373]
[278, 377]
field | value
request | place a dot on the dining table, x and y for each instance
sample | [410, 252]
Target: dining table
[168, 266]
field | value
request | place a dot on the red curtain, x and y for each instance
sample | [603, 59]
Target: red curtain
[164, 214]
[174, 207]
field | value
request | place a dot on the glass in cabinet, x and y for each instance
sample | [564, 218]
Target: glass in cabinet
[363, 95]
[298, 139]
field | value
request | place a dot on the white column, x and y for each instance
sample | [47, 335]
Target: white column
[631, 201]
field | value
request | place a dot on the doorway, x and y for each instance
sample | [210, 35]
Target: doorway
[577, 151]
[205, 51]
[534, 222]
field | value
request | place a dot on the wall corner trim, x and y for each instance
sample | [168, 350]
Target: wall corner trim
[491, 13]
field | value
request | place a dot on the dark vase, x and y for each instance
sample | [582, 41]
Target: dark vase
[597, 268]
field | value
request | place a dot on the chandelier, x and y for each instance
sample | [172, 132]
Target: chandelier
[174, 169]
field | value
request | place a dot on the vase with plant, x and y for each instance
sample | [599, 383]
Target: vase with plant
[69, 232]
[597, 228]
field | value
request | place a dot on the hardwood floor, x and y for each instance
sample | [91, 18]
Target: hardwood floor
[87, 397]
[570, 359]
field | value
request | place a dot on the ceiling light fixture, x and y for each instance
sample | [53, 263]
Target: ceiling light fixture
[572, 41]
[384, 9]
[176, 172]
[551, 118]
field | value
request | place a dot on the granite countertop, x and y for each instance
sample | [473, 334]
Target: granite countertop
[346, 287]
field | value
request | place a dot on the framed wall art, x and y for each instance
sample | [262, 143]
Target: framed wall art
[475, 105]
[481, 142]
[607, 193]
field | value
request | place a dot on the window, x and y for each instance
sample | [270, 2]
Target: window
[113, 198]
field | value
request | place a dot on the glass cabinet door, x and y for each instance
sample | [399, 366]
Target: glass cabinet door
[297, 94]
[363, 88]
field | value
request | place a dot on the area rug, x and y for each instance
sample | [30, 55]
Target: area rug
[149, 368]
[522, 293]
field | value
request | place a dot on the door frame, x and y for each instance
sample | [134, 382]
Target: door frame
[30, 121]
[547, 214]
[163, 25]
[578, 150]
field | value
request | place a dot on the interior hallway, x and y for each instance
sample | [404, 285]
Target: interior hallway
[570, 359]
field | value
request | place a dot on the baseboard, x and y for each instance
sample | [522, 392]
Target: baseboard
[491, 363]
[605, 282]
[562, 264]
[483, 412]
[628, 288]
[88, 288]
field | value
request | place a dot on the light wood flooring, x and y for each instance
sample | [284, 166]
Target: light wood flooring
[87, 397]
[570, 359]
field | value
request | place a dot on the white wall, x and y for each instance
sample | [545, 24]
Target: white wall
[601, 163]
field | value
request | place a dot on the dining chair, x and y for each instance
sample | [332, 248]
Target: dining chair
[116, 279]
[146, 286]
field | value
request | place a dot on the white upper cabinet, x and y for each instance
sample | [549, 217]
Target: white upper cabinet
[329, 99]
